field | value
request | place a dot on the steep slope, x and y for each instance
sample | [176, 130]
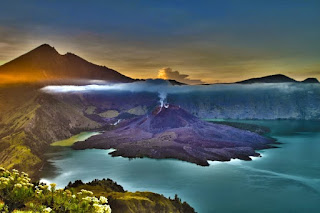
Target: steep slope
[253, 101]
[44, 63]
[30, 121]
[172, 132]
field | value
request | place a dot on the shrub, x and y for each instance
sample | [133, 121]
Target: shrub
[18, 194]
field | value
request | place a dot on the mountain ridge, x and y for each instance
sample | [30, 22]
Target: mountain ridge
[45, 63]
[276, 78]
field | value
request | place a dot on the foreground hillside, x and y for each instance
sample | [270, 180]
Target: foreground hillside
[18, 194]
[30, 121]
[129, 202]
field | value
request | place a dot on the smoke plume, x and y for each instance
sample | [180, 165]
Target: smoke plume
[162, 96]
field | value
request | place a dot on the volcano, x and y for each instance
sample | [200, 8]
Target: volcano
[45, 64]
[172, 132]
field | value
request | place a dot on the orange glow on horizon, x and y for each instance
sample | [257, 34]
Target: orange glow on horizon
[162, 74]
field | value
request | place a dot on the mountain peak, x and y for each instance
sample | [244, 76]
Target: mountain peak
[277, 78]
[310, 80]
[45, 64]
[44, 48]
[166, 117]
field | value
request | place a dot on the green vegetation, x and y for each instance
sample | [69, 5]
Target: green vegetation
[138, 110]
[18, 108]
[90, 110]
[79, 137]
[30, 121]
[122, 201]
[18, 194]
[109, 114]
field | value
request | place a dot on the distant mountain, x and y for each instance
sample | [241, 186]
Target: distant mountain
[278, 78]
[175, 83]
[310, 80]
[44, 63]
[163, 81]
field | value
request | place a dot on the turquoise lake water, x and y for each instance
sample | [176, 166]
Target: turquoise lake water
[285, 179]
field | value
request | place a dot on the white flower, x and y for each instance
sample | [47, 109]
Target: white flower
[86, 192]
[88, 199]
[4, 179]
[53, 185]
[107, 209]
[18, 185]
[103, 200]
[95, 200]
[24, 174]
[102, 208]
[47, 210]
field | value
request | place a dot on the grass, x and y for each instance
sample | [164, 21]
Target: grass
[142, 202]
[109, 114]
[139, 110]
[90, 110]
[79, 137]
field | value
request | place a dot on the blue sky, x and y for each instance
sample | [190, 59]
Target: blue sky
[215, 41]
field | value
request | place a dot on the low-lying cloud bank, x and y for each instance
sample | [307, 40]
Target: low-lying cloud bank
[162, 86]
[224, 101]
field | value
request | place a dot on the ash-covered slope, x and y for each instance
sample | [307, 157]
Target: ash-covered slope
[172, 132]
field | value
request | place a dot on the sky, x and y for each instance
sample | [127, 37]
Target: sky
[192, 41]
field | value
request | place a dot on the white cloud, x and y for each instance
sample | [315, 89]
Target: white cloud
[168, 73]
